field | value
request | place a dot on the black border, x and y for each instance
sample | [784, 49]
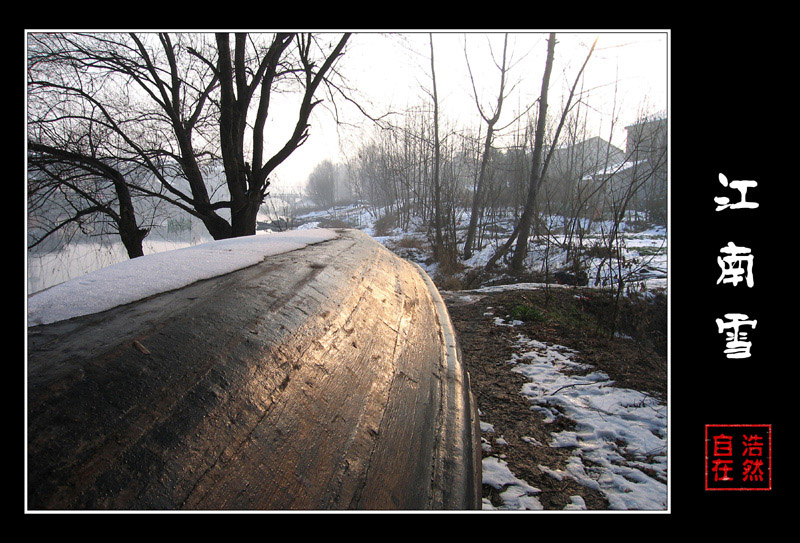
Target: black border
[728, 115]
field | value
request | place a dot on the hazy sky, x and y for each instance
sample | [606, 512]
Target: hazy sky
[628, 74]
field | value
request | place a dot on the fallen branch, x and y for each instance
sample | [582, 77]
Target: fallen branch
[578, 385]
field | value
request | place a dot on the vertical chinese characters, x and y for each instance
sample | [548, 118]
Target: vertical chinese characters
[737, 345]
[723, 202]
[753, 468]
[722, 463]
[738, 456]
[736, 265]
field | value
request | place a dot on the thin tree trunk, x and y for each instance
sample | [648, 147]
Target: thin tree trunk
[248, 183]
[437, 191]
[477, 200]
[537, 173]
[524, 229]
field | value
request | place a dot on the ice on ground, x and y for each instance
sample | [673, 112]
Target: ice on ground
[152, 274]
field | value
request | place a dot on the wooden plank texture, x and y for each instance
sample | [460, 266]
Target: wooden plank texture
[324, 378]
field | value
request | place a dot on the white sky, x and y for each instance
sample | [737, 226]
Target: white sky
[392, 71]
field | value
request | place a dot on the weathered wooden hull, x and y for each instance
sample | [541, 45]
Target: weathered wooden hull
[324, 378]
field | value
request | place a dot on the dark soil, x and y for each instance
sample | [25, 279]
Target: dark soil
[579, 318]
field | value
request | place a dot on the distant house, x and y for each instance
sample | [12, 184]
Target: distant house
[635, 179]
[647, 137]
[586, 156]
[646, 147]
[572, 165]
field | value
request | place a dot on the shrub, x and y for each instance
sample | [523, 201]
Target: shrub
[385, 224]
[526, 313]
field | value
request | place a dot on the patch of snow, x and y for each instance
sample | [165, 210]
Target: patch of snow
[621, 433]
[514, 286]
[502, 322]
[577, 504]
[516, 494]
[139, 278]
[619, 442]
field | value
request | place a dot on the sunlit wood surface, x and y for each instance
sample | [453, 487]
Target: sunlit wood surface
[324, 378]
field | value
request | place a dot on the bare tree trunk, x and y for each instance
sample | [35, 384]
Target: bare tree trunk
[172, 94]
[248, 182]
[477, 199]
[523, 231]
[537, 175]
[437, 190]
[123, 217]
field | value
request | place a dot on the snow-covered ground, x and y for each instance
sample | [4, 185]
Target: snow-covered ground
[136, 279]
[642, 258]
[619, 445]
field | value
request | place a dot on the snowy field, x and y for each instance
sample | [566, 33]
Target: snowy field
[642, 254]
[619, 446]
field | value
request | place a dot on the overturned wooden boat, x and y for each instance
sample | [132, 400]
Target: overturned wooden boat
[324, 378]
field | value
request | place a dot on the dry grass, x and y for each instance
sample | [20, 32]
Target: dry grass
[408, 242]
[384, 225]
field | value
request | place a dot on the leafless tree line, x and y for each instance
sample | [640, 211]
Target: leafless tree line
[460, 184]
[124, 129]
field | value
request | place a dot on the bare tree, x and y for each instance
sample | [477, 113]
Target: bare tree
[175, 105]
[69, 188]
[438, 247]
[321, 185]
[248, 181]
[539, 167]
[523, 225]
[491, 121]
